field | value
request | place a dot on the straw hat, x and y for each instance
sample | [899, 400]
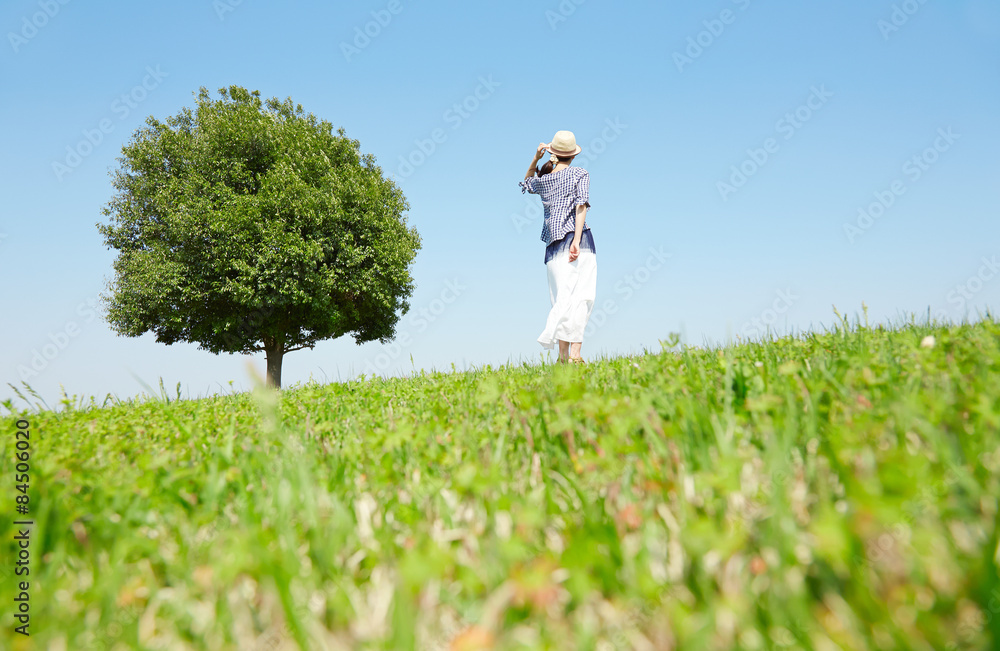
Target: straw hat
[564, 144]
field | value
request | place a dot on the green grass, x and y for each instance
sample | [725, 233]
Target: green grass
[835, 490]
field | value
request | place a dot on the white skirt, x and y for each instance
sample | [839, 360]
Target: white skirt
[572, 289]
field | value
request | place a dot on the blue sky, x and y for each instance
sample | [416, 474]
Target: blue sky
[752, 163]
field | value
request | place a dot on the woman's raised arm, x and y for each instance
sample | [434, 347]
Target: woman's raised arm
[538, 156]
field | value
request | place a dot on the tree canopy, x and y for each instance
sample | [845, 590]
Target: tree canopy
[247, 225]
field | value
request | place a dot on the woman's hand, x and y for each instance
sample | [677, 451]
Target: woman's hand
[574, 250]
[532, 170]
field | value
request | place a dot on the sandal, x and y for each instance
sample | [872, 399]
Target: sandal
[576, 360]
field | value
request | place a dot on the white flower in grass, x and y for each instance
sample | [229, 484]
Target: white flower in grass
[927, 342]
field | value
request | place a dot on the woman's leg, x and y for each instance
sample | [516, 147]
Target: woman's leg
[584, 294]
[560, 274]
[572, 289]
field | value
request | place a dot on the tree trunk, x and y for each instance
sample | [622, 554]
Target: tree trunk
[275, 350]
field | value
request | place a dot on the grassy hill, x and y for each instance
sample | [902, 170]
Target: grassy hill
[832, 491]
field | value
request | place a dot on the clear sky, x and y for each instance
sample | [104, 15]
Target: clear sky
[751, 163]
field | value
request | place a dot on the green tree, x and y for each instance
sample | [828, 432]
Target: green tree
[249, 226]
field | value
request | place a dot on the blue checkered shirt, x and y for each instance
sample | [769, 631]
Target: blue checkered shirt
[561, 193]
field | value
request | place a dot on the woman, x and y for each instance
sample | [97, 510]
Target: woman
[570, 255]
